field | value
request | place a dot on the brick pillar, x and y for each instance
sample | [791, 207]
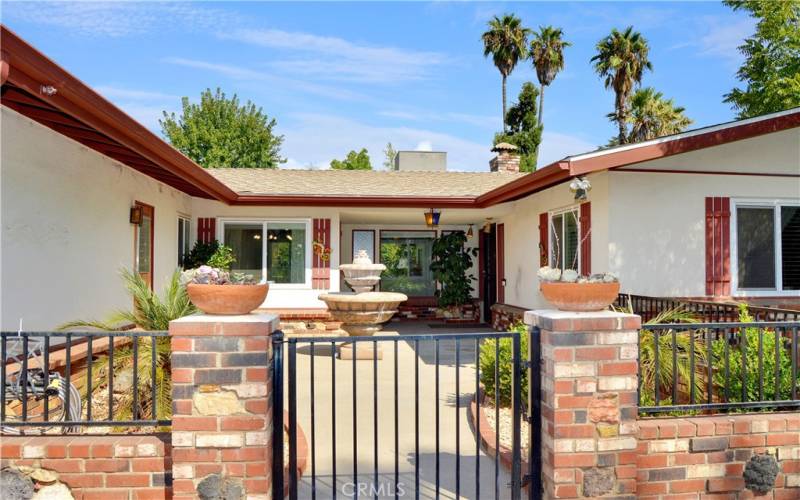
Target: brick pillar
[221, 393]
[589, 379]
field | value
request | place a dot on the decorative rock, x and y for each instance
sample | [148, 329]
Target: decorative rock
[598, 482]
[56, 491]
[760, 473]
[123, 381]
[604, 407]
[15, 485]
[44, 476]
[218, 403]
[217, 487]
[607, 430]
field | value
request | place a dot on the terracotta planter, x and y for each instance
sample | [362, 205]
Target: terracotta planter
[227, 299]
[580, 296]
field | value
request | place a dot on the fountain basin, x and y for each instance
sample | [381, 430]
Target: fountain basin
[362, 313]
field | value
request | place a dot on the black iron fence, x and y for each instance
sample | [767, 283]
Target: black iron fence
[65, 381]
[380, 397]
[712, 312]
[718, 367]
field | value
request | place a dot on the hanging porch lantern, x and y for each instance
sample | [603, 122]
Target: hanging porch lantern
[432, 217]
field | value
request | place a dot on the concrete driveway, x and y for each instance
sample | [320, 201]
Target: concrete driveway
[477, 470]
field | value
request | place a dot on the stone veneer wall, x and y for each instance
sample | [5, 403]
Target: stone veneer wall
[98, 467]
[704, 457]
[504, 316]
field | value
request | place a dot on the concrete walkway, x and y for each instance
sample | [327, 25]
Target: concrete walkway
[476, 469]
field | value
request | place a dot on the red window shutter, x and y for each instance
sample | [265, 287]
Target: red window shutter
[206, 229]
[481, 250]
[501, 264]
[586, 238]
[544, 258]
[718, 246]
[321, 263]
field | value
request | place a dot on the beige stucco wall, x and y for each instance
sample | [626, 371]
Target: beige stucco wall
[522, 237]
[65, 230]
[278, 296]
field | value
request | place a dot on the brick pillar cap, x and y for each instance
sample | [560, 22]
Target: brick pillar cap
[211, 324]
[554, 320]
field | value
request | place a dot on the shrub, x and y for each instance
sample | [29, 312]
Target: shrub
[200, 254]
[504, 360]
[749, 374]
[451, 262]
[222, 258]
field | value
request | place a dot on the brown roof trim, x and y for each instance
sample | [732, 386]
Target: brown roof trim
[666, 148]
[358, 201]
[542, 178]
[27, 69]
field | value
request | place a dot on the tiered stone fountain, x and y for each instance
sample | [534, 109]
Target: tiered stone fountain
[362, 312]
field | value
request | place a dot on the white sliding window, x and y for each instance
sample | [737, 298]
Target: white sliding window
[274, 251]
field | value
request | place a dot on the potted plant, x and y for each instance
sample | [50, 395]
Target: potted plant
[451, 262]
[569, 291]
[215, 291]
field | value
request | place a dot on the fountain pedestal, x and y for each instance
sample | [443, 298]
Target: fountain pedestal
[364, 312]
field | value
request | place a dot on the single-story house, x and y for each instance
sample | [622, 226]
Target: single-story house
[708, 213]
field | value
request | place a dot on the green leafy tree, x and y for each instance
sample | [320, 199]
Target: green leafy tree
[651, 115]
[506, 41]
[389, 156]
[771, 70]
[547, 54]
[353, 161]
[450, 265]
[622, 59]
[221, 132]
[524, 130]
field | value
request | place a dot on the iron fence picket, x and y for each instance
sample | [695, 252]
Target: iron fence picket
[357, 347]
[718, 367]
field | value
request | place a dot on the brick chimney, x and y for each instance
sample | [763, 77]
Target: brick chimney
[507, 159]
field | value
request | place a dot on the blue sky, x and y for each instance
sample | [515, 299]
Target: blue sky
[341, 76]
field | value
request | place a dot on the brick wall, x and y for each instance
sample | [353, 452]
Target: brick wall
[222, 411]
[704, 457]
[504, 316]
[98, 467]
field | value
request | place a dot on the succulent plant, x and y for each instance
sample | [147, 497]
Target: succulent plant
[207, 275]
[549, 274]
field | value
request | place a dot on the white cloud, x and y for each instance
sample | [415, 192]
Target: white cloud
[317, 138]
[723, 39]
[419, 115]
[334, 58]
[118, 19]
[114, 92]
[556, 146]
[250, 75]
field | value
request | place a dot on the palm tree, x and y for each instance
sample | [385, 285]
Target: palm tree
[506, 41]
[622, 59]
[651, 115]
[547, 54]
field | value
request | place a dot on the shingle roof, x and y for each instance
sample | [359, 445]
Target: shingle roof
[260, 181]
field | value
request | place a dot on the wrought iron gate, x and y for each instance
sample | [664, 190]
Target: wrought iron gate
[410, 417]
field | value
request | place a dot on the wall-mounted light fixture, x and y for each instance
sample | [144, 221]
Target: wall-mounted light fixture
[136, 215]
[581, 187]
[432, 217]
[469, 231]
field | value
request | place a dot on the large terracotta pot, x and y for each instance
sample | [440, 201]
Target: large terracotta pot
[227, 299]
[580, 296]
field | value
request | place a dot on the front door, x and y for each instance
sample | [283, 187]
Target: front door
[489, 270]
[143, 241]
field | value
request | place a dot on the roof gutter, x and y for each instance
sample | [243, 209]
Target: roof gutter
[357, 201]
